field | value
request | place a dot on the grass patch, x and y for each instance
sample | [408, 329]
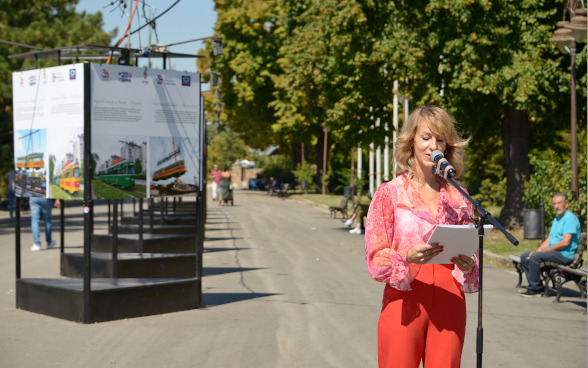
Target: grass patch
[327, 199]
[495, 242]
[58, 193]
[103, 190]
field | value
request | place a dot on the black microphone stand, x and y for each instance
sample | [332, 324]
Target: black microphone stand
[484, 216]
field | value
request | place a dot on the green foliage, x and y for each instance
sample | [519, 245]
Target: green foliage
[484, 152]
[52, 160]
[277, 166]
[44, 24]
[251, 43]
[295, 67]
[304, 172]
[330, 71]
[492, 192]
[342, 178]
[225, 149]
[138, 167]
[553, 175]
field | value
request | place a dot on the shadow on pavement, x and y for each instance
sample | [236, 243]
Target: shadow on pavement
[211, 271]
[212, 250]
[216, 299]
[215, 239]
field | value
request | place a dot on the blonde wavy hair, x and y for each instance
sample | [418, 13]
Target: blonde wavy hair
[441, 123]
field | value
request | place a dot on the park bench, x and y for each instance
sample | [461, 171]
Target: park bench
[283, 191]
[548, 272]
[342, 208]
[563, 274]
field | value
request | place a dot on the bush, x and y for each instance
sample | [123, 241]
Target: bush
[304, 172]
[552, 175]
[492, 193]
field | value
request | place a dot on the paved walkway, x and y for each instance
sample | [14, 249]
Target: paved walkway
[284, 286]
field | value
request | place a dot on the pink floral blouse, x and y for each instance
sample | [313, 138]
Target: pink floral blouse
[398, 220]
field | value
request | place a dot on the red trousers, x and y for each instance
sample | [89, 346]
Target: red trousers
[426, 323]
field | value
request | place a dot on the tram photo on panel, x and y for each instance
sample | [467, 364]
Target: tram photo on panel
[119, 166]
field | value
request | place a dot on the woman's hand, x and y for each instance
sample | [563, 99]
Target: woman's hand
[464, 263]
[423, 253]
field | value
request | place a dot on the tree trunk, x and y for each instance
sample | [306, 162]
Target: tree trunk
[319, 149]
[296, 154]
[515, 139]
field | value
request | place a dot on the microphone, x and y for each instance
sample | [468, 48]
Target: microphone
[438, 158]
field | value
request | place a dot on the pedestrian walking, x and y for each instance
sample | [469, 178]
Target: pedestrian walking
[215, 175]
[10, 190]
[41, 209]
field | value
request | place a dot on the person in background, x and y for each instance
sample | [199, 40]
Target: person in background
[423, 315]
[274, 185]
[359, 213]
[559, 247]
[41, 209]
[10, 190]
[225, 186]
[215, 175]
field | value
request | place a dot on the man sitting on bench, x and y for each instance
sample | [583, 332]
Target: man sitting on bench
[360, 212]
[559, 247]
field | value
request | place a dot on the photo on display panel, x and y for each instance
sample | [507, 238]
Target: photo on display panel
[173, 165]
[119, 163]
[30, 147]
[66, 151]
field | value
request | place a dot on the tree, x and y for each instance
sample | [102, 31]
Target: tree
[491, 65]
[138, 166]
[333, 84]
[225, 149]
[251, 42]
[332, 64]
[552, 175]
[45, 24]
[504, 57]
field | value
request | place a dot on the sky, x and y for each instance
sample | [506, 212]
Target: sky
[187, 20]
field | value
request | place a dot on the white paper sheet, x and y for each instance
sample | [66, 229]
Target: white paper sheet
[456, 240]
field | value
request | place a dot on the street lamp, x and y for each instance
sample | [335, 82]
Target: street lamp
[566, 36]
[217, 44]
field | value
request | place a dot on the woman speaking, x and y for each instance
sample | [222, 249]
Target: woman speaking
[423, 315]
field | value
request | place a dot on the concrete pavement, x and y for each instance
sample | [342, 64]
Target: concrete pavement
[284, 286]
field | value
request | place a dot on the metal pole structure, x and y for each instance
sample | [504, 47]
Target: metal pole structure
[573, 123]
[151, 219]
[141, 226]
[378, 160]
[351, 181]
[480, 328]
[359, 167]
[62, 223]
[324, 191]
[395, 133]
[386, 154]
[405, 109]
[17, 241]
[87, 196]
[371, 168]
[199, 243]
[115, 239]
[108, 223]
[542, 207]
